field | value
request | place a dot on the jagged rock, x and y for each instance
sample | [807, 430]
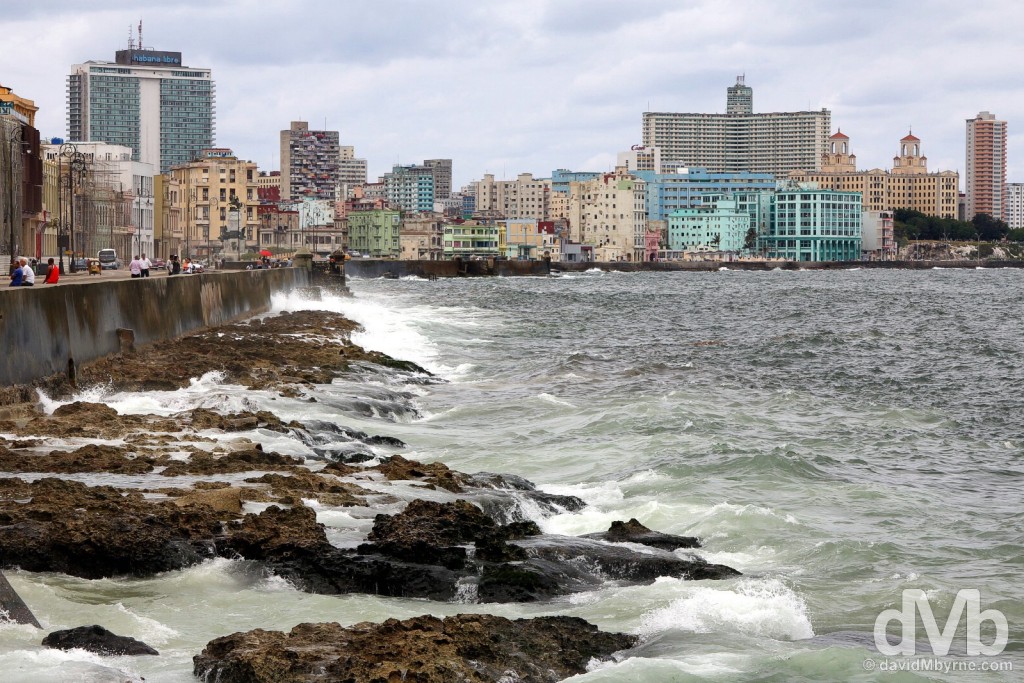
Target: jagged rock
[95, 532]
[89, 458]
[240, 461]
[301, 483]
[505, 504]
[466, 647]
[221, 499]
[635, 532]
[398, 468]
[97, 639]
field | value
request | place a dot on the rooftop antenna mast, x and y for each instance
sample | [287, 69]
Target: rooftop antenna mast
[140, 34]
[131, 38]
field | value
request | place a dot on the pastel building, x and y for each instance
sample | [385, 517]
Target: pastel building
[524, 197]
[471, 240]
[523, 238]
[375, 232]
[689, 187]
[610, 213]
[808, 224]
[878, 241]
[720, 226]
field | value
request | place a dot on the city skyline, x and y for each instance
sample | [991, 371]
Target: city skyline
[507, 88]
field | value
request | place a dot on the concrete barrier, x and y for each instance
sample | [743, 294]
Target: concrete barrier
[46, 329]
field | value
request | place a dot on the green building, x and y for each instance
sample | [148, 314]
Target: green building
[469, 240]
[375, 232]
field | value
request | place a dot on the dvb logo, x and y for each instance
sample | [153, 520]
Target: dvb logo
[916, 602]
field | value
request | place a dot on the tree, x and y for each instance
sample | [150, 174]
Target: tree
[750, 241]
[715, 241]
[990, 229]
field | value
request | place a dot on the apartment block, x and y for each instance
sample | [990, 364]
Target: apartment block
[814, 225]
[310, 162]
[739, 140]
[610, 213]
[524, 197]
[986, 166]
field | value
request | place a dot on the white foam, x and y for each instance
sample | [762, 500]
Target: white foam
[758, 607]
[556, 401]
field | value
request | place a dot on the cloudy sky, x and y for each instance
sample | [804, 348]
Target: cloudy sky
[533, 85]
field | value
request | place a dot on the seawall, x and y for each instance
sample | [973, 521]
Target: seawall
[374, 268]
[42, 328]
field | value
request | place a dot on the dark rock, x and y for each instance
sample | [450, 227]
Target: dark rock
[620, 563]
[398, 468]
[240, 461]
[466, 647]
[635, 532]
[382, 440]
[96, 532]
[97, 639]
[505, 505]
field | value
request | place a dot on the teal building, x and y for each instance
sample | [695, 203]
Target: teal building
[471, 240]
[814, 225]
[720, 226]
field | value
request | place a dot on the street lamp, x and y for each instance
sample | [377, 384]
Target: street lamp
[235, 215]
[76, 166]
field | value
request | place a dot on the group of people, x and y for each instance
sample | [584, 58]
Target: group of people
[139, 267]
[24, 273]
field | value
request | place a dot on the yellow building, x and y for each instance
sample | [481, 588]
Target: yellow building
[208, 191]
[20, 108]
[908, 185]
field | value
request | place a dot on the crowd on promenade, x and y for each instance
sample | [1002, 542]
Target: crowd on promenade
[24, 273]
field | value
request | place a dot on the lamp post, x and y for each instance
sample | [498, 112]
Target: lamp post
[212, 204]
[76, 166]
[235, 212]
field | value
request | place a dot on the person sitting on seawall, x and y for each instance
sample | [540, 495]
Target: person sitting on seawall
[52, 273]
[135, 267]
[28, 276]
[187, 267]
[16, 274]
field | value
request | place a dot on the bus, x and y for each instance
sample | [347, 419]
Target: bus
[107, 259]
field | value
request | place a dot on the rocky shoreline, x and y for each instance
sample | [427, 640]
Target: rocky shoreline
[474, 546]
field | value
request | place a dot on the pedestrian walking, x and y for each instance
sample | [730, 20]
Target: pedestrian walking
[146, 265]
[135, 266]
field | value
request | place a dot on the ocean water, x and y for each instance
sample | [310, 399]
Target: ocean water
[839, 437]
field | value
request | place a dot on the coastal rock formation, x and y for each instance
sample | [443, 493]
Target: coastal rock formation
[97, 639]
[109, 533]
[466, 647]
[635, 532]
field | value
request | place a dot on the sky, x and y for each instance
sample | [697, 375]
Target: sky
[530, 86]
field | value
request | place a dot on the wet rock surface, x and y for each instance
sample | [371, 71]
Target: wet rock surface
[97, 639]
[635, 532]
[473, 541]
[468, 647]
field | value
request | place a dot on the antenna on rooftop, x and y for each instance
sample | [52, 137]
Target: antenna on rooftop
[131, 38]
[140, 34]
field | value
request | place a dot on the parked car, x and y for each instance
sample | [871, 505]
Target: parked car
[108, 259]
[159, 263]
[79, 264]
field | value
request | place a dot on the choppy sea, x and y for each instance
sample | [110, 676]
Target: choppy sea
[839, 437]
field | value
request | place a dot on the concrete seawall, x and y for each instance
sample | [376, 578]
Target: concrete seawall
[42, 328]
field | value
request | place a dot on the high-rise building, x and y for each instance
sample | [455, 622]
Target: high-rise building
[351, 171]
[986, 166]
[410, 188]
[310, 162]
[442, 169]
[1014, 205]
[739, 140]
[145, 100]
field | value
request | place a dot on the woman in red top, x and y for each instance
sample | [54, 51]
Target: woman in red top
[52, 273]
